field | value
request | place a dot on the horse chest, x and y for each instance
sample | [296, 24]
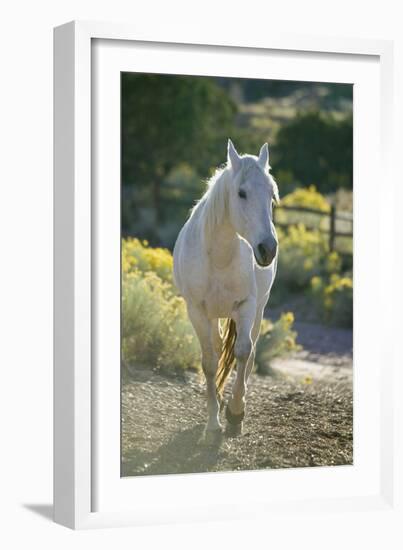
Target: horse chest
[223, 292]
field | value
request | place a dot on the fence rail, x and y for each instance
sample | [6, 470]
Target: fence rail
[333, 216]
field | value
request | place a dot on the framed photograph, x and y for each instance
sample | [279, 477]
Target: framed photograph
[220, 211]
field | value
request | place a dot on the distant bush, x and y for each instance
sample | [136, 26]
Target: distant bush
[306, 265]
[276, 340]
[139, 256]
[308, 197]
[317, 148]
[304, 197]
[334, 299]
[333, 263]
[302, 255]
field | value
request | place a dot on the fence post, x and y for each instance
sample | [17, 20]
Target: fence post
[332, 227]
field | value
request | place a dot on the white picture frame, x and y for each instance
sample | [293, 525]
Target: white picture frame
[87, 491]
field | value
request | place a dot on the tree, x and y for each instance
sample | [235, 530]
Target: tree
[316, 149]
[169, 120]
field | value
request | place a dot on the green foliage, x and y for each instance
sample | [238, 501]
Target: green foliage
[333, 263]
[182, 182]
[180, 190]
[139, 256]
[302, 255]
[251, 89]
[304, 197]
[306, 266]
[156, 332]
[276, 340]
[307, 197]
[305, 263]
[334, 299]
[169, 119]
[317, 148]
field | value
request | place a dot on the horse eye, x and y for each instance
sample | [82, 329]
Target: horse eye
[242, 194]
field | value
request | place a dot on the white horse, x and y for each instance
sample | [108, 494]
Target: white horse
[225, 261]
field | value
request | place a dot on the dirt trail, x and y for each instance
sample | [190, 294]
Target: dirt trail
[303, 416]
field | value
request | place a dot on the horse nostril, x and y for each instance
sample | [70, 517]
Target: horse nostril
[267, 252]
[262, 251]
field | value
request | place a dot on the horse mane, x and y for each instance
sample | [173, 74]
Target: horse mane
[211, 208]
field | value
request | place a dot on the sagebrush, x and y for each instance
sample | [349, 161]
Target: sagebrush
[276, 339]
[334, 299]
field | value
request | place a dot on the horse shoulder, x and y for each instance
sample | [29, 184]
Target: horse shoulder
[189, 263]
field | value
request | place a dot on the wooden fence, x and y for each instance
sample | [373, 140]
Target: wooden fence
[333, 217]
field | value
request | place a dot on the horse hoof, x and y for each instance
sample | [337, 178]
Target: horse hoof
[233, 430]
[234, 422]
[233, 418]
[212, 437]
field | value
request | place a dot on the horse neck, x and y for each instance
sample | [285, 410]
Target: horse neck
[222, 243]
[219, 238]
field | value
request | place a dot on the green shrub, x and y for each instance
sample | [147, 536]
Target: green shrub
[137, 255]
[156, 331]
[275, 340]
[302, 255]
[317, 147]
[333, 263]
[307, 197]
[334, 299]
[304, 197]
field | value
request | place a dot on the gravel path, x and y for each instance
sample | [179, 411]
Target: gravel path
[302, 416]
[325, 345]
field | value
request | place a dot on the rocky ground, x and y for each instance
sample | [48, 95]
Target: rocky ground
[301, 416]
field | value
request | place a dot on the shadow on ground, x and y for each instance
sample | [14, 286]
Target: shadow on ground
[183, 453]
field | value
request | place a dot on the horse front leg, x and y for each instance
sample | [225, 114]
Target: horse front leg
[204, 329]
[255, 335]
[235, 412]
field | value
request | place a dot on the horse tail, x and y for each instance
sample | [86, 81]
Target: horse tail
[227, 360]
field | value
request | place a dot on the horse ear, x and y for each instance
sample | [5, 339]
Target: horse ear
[232, 156]
[263, 159]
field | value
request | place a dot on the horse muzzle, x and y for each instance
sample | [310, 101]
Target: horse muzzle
[266, 252]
